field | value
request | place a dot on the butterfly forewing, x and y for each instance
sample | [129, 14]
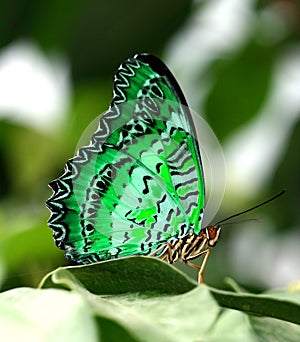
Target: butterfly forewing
[139, 184]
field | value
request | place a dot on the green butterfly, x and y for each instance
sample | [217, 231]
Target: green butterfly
[138, 188]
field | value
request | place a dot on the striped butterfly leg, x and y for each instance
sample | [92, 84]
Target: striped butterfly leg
[208, 238]
[165, 255]
[201, 267]
[172, 257]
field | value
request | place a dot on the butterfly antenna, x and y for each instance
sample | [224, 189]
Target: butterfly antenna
[250, 209]
[241, 221]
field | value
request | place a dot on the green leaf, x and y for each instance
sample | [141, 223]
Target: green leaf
[271, 305]
[145, 299]
[270, 330]
[134, 274]
[48, 315]
[184, 317]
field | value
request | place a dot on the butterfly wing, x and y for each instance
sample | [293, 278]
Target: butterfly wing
[139, 184]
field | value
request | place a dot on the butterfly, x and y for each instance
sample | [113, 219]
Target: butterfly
[138, 187]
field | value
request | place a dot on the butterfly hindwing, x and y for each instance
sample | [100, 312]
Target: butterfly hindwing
[139, 184]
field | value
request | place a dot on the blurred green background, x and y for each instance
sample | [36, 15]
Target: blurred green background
[238, 63]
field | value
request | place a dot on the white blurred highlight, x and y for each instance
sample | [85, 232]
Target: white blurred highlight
[34, 89]
[212, 31]
[254, 151]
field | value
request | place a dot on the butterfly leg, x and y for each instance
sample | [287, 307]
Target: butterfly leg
[200, 268]
[165, 255]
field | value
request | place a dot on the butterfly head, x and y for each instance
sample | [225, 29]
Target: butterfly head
[213, 234]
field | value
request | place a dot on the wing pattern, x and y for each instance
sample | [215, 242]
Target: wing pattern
[139, 183]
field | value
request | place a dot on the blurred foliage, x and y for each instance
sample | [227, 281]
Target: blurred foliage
[241, 87]
[95, 37]
[288, 174]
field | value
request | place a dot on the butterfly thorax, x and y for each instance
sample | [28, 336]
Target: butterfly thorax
[192, 245]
